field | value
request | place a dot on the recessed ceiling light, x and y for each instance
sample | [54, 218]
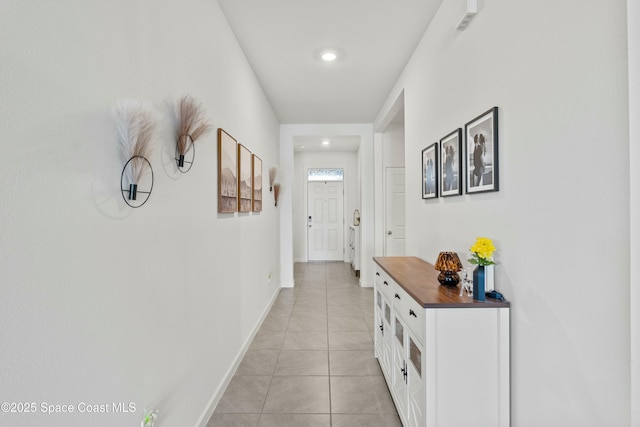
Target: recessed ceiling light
[325, 142]
[329, 56]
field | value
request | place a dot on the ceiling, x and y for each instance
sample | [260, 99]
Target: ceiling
[315, 143]
[373, 38]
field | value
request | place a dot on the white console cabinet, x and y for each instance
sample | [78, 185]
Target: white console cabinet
[445, 357]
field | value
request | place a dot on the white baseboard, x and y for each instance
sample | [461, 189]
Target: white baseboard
[364, 284]
[217, 394]
[287, 284]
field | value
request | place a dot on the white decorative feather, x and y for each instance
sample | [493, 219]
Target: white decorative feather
[134, 130]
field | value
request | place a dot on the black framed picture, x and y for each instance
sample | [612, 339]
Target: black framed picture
[451, 164]
[481, 141]
[430, 171]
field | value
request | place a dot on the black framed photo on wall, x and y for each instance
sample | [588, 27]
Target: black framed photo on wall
[430, 171]
[481, 141]
[451, 164]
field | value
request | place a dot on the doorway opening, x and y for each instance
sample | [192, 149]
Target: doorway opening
[394, 200]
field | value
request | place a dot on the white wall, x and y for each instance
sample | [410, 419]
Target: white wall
[633, 16]
[558, 73]
[302, 163]
[101, 303]
[393, 146]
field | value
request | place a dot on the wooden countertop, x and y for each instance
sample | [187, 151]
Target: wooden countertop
[420, 280]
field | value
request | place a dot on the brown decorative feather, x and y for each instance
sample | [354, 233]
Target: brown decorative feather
[272, 176]
[276, 192]
[192, 122]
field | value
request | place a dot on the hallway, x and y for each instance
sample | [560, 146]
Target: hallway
[311, 363]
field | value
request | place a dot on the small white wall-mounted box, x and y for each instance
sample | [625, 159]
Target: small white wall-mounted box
[469, 11]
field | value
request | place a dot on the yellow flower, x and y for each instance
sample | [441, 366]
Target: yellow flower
[482, 250]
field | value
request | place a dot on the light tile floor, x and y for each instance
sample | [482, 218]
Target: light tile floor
[311, 363]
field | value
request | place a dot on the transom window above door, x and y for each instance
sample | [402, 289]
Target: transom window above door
[326, 174]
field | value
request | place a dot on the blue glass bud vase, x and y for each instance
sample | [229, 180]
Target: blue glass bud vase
[478, 283]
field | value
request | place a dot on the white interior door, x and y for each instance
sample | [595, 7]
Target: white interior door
[325, 224]
[395, 223]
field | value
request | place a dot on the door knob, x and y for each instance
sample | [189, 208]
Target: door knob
[389, 232]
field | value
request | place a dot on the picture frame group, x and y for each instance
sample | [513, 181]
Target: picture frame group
[450, 163]
[239, 176]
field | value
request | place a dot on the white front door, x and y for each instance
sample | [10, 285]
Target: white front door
[394, 212]
[325, 225]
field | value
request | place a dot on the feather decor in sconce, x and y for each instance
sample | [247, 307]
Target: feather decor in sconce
[273, 171]
[134, 131]
[276, 192]
[191, 127]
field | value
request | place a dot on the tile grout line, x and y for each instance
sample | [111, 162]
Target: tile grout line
[341, 282]
[326, 289]
[276, 365]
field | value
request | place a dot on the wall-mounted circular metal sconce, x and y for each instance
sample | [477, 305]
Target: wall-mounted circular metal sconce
[185, 153]
[192, 125]
[137, 169]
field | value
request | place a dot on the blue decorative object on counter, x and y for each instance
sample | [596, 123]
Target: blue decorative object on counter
[478, 283]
